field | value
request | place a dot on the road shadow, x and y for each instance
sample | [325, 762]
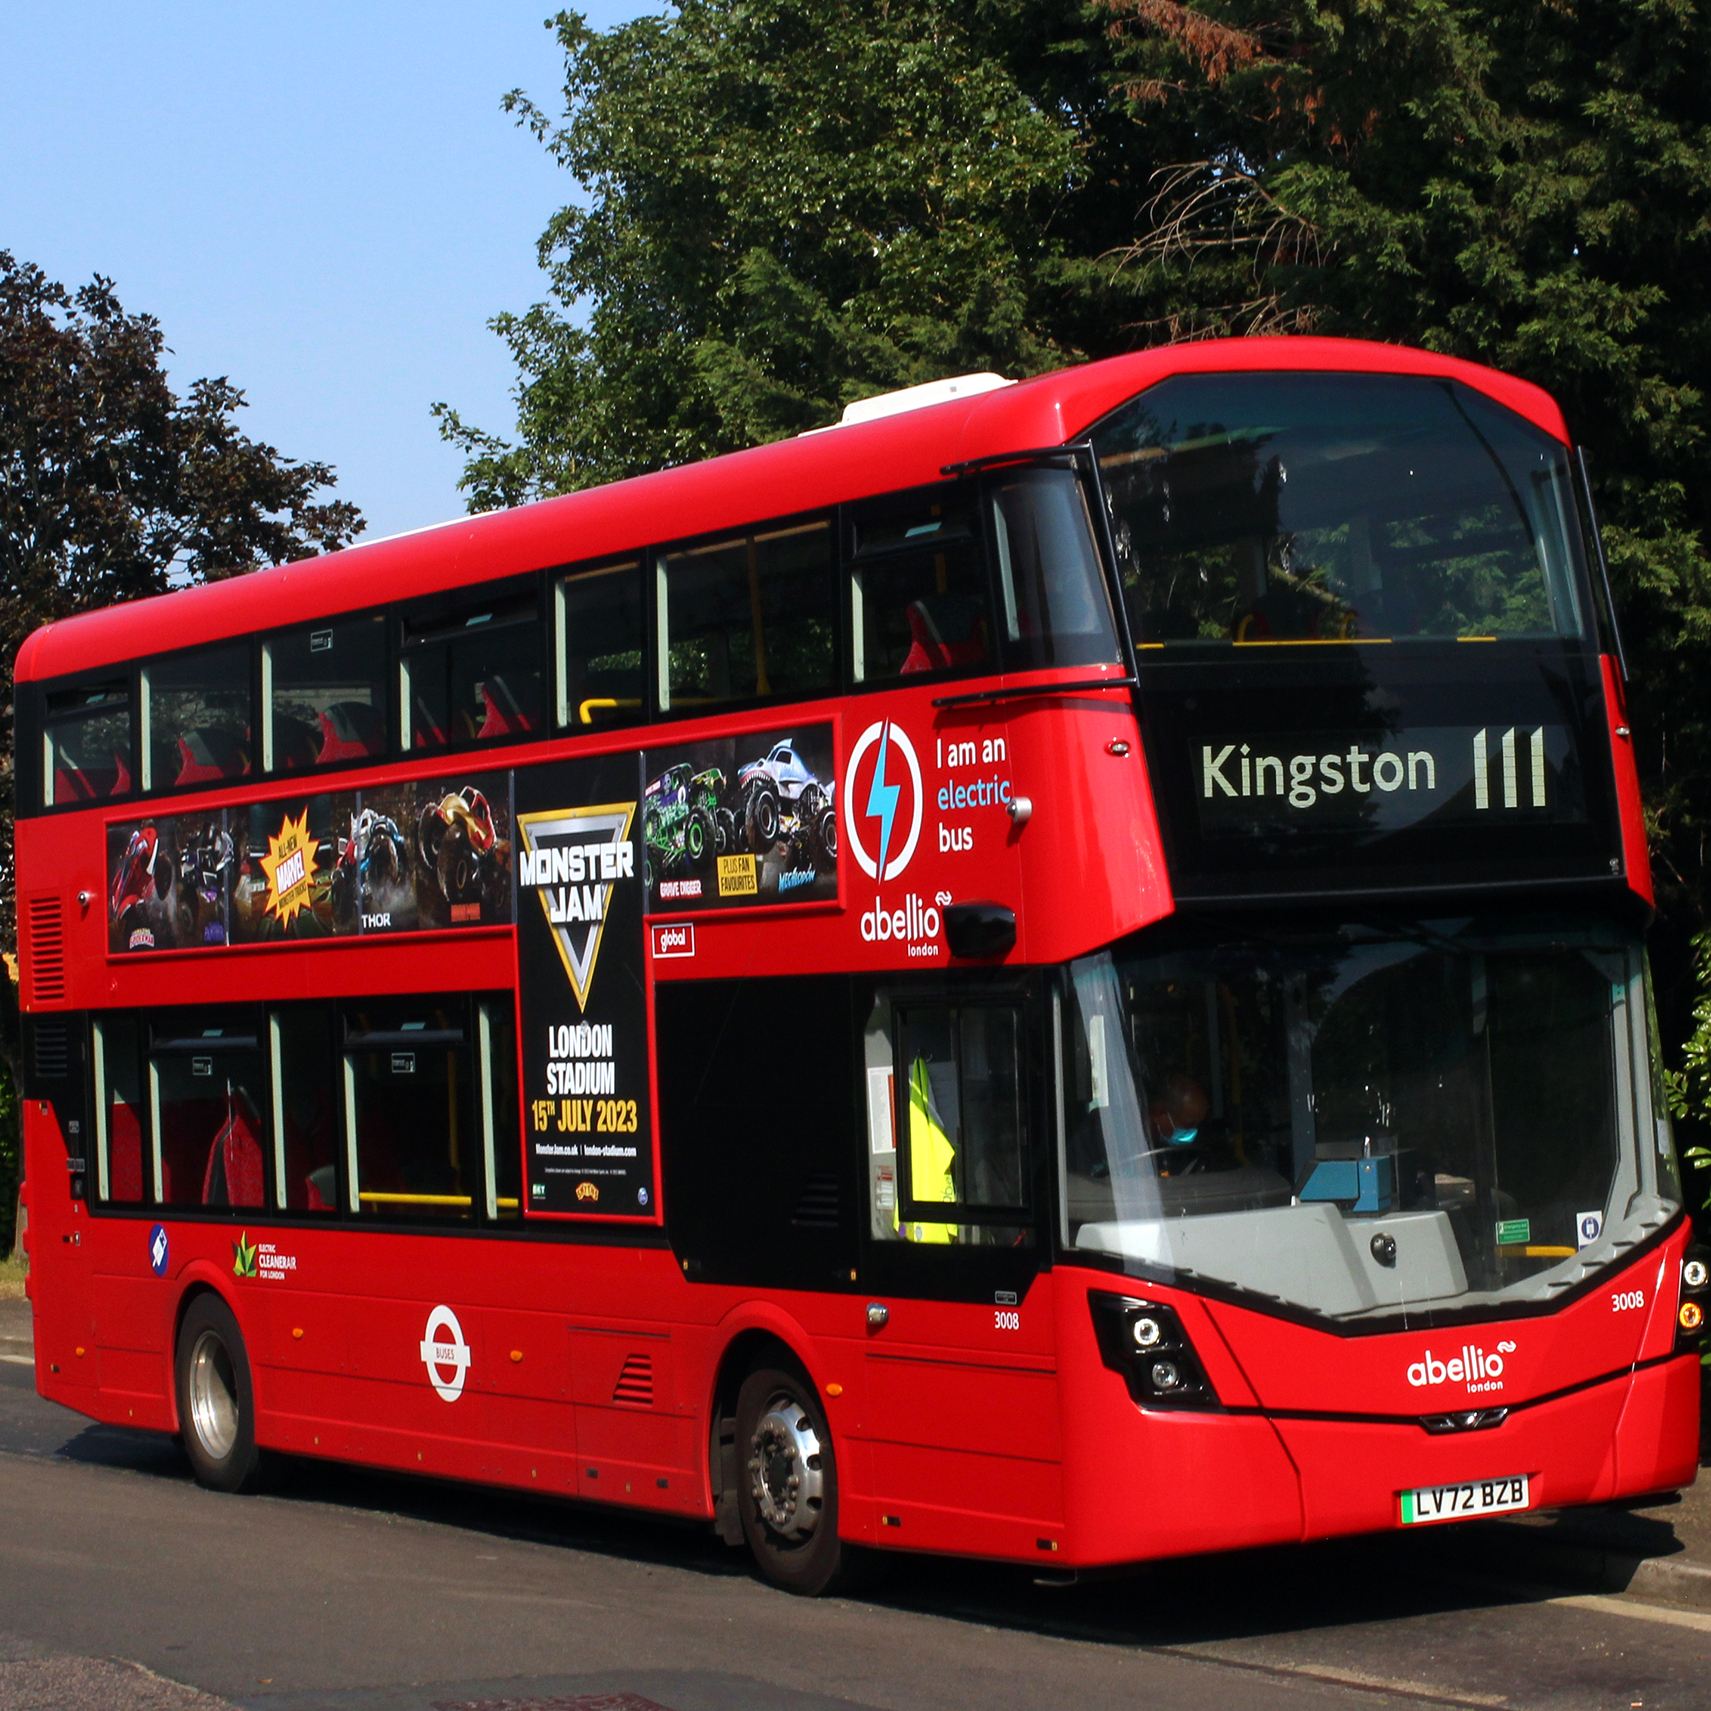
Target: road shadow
[1171, 1602]
[1174, 1602]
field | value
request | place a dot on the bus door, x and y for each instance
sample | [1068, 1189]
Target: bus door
[962, 1395]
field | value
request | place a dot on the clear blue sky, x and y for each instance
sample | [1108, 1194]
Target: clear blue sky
[321, 201]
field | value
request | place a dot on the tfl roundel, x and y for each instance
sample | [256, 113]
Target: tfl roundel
[882, 800]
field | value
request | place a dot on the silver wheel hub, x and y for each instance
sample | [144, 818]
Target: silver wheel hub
[213, 1396]
[785, 1470]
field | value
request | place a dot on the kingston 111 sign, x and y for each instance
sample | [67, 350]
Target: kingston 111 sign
[589, 1146]
[1442, 775]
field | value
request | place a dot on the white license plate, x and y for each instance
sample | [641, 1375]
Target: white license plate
[1473, 1497]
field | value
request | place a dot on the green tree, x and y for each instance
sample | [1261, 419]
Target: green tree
[111, 488]
[794, 203]
[791, 203]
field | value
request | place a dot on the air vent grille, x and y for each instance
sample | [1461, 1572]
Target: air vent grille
[635, 1384]
[44, 918]
[52, 1051]
[817, 1208]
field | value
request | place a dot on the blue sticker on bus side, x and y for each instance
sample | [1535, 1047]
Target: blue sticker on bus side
[159, 1251]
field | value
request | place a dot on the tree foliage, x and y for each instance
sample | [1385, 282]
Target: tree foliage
[112, 487]
[786, 204]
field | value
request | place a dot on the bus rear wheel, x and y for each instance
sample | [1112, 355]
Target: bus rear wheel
[216, 1401]
[787, 1483]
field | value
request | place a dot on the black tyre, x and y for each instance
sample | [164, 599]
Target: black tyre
[787, 1484]
[826, 839]
[762, 818]
[216, 1401]
[724, 831]
[695, 838]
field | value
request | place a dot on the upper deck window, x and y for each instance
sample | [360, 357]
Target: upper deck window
[196, 718]
[1056, 609]
[747, 618]
[919, 598]
[86, 743]
[600, 632]
[1257, 508]
[324, 694]
[471, 676]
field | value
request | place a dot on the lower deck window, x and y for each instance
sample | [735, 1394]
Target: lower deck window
[382, 1109]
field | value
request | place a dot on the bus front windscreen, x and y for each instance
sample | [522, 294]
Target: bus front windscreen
[1268, 508]
[1368, 1121]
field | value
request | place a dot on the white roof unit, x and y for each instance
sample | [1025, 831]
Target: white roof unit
[919, 397]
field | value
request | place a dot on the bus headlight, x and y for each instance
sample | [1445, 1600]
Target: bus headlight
[1144, 1341]
[1695, 1299]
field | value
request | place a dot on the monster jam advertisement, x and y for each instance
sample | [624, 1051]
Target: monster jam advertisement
[404, 857]
[589, 1148]
[737, 821]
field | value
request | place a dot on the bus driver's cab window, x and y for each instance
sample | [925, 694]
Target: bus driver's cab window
[947, 1124]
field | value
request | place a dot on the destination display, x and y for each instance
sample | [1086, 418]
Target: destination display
[1443, 774]
[587, 1130]
[1278, 775]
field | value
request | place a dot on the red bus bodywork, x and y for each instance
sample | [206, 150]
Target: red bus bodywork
[596, 1367]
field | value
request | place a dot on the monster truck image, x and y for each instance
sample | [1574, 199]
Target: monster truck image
[372, 869]
[459, 845]
[684, 820]
[782, 800]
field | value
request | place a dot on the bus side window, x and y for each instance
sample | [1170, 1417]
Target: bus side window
[1056, 607]
[501, 1128]
[121, 1174]
[324, 694]
[471, 675]
[949, 1157]
[747, 618]
[599, 637]
[207, 1109]
[196, 718]
[86, 743]
[305, 1115]
[919, 599]
[413, 1153]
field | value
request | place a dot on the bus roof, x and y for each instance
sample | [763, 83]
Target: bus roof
[807, 473]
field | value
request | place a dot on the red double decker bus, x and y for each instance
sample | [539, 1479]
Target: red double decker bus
[1054, 972]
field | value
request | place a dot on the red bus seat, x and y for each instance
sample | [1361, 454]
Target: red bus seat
[502, 712]
[211, 753]
[234, 1173]
[944, 630]
[124, 1152]
[351, 730]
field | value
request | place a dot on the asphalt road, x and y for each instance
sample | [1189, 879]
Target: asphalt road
[125, 1587]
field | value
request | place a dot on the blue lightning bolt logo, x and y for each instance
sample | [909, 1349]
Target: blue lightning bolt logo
[882, 801]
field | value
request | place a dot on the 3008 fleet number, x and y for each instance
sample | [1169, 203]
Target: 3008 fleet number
[1621, 1301]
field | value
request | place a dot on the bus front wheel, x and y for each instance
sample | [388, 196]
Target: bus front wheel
[216, 1401]
[787, 1483]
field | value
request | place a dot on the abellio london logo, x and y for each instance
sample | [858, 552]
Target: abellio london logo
[882, 827]
[1474, 1367]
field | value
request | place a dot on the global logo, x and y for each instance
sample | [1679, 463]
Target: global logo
[882, 829]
